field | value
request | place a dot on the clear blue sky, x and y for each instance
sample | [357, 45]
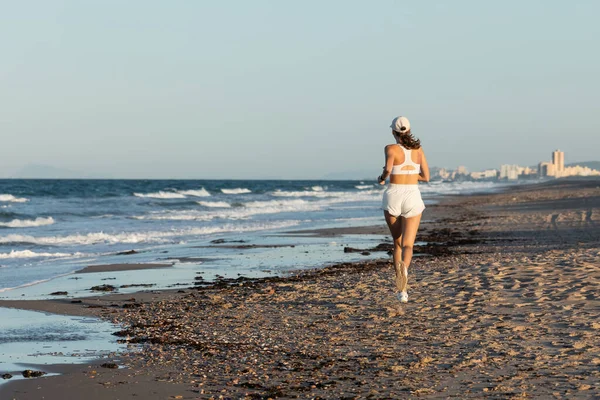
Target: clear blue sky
[259, 89]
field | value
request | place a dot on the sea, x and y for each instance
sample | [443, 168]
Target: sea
[49, 229]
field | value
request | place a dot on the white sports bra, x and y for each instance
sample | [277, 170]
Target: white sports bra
[408, 162]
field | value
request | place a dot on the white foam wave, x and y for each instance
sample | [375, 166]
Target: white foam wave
[2, 290]
[343, 196]
[31, 254]
[28, 223]
[12, 199]
[34, 282]
[253, 208]
[458, 187]
[90, 238]
[372, 192]
[317, 188]
[303, 193]
[196, 193]
[315, 201]
[161, 195]
[238, 213]
[176, 216]
[295, 203]
[236, 191]
[214, 204]
[144, 237]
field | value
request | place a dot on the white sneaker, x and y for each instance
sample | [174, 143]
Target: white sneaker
[403, 297]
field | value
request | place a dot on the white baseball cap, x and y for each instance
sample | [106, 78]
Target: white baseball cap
[400, 124]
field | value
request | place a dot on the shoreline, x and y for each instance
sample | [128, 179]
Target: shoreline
[497, 258]
[120, 267]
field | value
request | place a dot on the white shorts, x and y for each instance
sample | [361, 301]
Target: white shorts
[403, 200]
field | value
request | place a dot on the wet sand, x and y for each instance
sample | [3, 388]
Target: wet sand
[502, 305]
[120, 267]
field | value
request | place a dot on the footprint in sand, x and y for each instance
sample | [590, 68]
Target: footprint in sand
[553, 220]
[588, 217]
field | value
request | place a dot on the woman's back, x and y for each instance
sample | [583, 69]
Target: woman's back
[406, 164]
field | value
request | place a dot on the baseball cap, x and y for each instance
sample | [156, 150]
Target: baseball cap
[399, 123]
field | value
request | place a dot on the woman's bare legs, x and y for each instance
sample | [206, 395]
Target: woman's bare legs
[404, 233]
[410, 226]
[395, 225]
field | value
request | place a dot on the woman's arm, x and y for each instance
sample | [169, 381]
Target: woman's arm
[424, 174]
[389, 164]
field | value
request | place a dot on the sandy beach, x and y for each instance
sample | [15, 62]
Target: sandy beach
[503, 303]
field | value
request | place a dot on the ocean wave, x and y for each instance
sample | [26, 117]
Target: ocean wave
[274, 206]
[278, 206]
[28, 223]
[255, 226]
[161, 195]
[102, 216]
[214, 204]
[12, 199]
[304, 193]
[375, 219]
[372, 192]
[7, 214]
[176, 216]
[341, 195]
[90, 238]
[37, 282]
[253, 208]
[284, 204]
[2, 290]
[458, 187]
[172, 236]
[31, 254]
[245, 212]
[236, 191]
[196, 193]
[317, 188]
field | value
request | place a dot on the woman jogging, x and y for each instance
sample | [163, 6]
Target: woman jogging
[406, 165]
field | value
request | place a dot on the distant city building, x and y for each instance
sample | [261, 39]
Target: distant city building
[528, 171]
[557, 168]
[578, 170]
[444, 174]
[461, 170]
[546, 169]
[439, 173]
[510, 172]
[487, 174]
[558, 159]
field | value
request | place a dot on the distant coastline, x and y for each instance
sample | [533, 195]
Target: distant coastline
[49, 172]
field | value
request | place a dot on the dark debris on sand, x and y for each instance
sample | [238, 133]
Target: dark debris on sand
[103, 288]
[32, 374]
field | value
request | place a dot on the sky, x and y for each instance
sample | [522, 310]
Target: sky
[293, 90]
